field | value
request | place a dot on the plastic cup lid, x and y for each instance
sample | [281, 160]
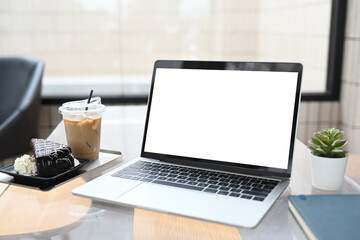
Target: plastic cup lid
[81, 106]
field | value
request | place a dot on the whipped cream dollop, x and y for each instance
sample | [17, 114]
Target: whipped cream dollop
[25, 165]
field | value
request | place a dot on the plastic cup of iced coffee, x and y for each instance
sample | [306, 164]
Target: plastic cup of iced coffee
[82, 120]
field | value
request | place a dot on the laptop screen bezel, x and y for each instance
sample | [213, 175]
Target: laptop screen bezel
[219, 165]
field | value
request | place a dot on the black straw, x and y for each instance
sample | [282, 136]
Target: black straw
[91, 92]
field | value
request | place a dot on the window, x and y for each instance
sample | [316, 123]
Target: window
[111, 46]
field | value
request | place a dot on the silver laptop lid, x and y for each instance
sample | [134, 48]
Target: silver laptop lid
[231, 116]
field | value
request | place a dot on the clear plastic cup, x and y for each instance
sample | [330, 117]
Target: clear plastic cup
[82, 122]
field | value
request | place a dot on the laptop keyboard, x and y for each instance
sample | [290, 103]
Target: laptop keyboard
[226, 184]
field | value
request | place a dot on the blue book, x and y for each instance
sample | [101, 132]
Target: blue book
[327, 216]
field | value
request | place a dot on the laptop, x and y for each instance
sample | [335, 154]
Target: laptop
[218, 142]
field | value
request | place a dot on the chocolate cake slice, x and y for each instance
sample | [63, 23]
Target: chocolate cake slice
[51, 158]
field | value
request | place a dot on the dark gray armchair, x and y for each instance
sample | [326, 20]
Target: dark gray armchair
[20, 88]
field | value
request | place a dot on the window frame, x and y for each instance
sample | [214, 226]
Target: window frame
[335, 55]
[334, 66]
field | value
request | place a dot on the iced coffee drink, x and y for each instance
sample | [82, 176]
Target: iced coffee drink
[82, 122]
[83, 136]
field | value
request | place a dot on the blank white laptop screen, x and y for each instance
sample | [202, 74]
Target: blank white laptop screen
[253, 108]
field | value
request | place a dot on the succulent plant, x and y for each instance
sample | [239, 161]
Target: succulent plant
[328, 143]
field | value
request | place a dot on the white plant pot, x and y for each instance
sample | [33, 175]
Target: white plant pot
[327, 173]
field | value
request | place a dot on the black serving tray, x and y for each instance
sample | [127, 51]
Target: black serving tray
[44, 183]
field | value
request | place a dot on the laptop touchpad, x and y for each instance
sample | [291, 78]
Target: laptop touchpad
[105, 187]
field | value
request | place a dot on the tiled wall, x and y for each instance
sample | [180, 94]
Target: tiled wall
[49, 119]
[315, 116]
